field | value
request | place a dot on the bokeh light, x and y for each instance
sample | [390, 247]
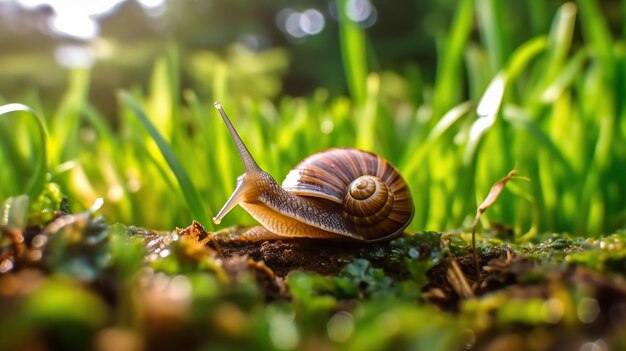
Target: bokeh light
[340, 326]
[283, 331]
[588, 310]
[362, 12]
[300, 24]
[358, 10]
[70, 56]
[598, 345]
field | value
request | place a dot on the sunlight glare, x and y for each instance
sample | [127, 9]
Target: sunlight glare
[66, 7]
[153, 8]
[31, 4]
[80, 21]
[79, 27]
[150, 4]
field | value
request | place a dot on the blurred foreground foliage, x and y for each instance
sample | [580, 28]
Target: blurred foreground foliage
[77, 283]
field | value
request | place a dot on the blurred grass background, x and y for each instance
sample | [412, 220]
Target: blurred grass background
[455, 94]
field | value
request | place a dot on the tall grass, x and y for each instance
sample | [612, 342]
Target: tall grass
[552, 109]
[27, 157]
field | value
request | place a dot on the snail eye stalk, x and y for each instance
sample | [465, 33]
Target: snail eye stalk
[246, 158]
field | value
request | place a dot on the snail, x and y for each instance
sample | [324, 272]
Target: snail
[341, 194]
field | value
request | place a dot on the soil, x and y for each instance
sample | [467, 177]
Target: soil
[273, 260]
[283, 256]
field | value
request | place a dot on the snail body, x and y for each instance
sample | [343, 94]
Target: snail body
[342, 194]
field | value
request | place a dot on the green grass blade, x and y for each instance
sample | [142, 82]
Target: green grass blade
[524, 54]
[624, 16]
[65, 123]
[487, 110]
[597, 33]
[366, 124]
[160, 101]
[451, 59]
[561, 36]
[490, 16]
[418, 153]
[489, 104]
[520, 119]
[114, 151]
[184, 181]
[564, 79]
[38, 177]
[478, 71]
[353, 52]
[14, 211]
[539, 16]
[604, 114]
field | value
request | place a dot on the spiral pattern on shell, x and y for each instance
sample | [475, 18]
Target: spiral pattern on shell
[374, 199]
[367, 201]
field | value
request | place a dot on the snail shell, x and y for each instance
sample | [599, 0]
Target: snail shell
[372, 196]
